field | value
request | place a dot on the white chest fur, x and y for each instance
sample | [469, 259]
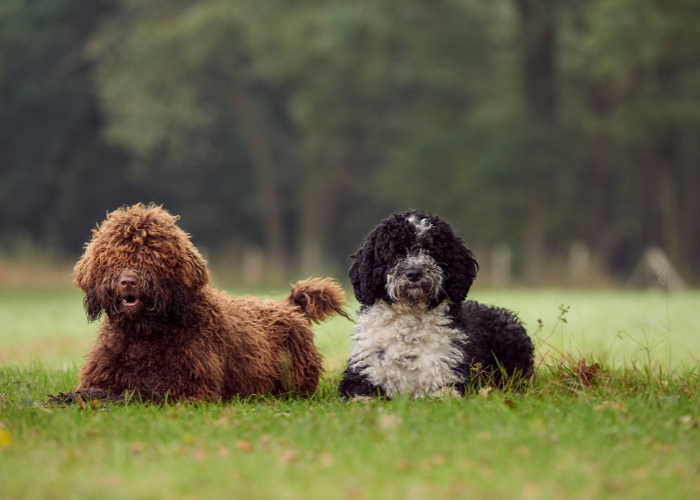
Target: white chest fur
[407, 352]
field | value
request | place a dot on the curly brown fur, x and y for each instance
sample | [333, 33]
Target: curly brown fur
[167, 332]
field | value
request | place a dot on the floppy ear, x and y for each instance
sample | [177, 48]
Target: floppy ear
[91, 302]
[460, 272]
[181, 300]
[195, 269]
[367, 273]
[85, 282]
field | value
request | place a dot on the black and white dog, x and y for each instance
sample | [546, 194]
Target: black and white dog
[414, 333]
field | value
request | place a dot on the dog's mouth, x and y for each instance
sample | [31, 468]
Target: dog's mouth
[130, 303]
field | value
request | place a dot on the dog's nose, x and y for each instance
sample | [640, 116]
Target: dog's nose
[128, 280]
[414, 274]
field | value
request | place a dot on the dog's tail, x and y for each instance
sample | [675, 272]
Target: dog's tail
[318, 298]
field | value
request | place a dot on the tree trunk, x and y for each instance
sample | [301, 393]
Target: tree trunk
[263, 163]
[329, 172]
[669, 199]
[539, 88]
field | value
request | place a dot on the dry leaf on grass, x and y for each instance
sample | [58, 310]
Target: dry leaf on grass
[225, 420]
[244, 446]
[508, 403]
[605, 405]
[326, 460]
[288, 455]
[531, 491]
[388, 422]
[5, 436]
[586, 374]
[485, 391]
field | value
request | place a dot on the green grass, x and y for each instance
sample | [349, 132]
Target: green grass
[633, 434]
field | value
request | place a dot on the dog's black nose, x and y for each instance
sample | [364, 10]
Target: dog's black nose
[414, 274]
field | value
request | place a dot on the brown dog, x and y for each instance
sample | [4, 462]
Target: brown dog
[166, 331]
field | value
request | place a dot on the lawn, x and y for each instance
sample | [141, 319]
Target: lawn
[633, 433]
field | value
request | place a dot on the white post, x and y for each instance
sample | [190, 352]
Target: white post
[579, 262]
[501, 257]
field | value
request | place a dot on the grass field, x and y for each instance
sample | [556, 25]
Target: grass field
[634, 433]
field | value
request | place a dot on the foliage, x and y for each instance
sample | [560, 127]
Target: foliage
[296, 126]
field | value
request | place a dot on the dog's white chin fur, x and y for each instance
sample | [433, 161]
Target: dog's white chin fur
[407, 350]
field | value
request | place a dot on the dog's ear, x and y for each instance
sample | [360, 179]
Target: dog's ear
[91, 302]
[460, 272]
[181, 300]
[82, 271]
[459, 267]
[368, 273]
[195, 269]
[85, 281]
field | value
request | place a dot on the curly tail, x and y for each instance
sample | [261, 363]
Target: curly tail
[318, 298]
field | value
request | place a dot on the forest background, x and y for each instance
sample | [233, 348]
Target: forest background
[283, 131]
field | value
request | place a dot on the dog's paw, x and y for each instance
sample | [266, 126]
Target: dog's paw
[445, 391]
[361, 399]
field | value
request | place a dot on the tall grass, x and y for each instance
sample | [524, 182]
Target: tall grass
[595, 422]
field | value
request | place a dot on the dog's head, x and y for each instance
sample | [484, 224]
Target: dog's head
[413, 260]
[140, 269]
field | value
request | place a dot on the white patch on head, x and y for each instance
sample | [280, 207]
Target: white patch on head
[405, 352]
[421, 225]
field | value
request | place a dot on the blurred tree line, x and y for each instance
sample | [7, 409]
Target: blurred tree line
[296, 125]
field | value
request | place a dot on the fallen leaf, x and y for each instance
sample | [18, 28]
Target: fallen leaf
[5, 436]
[388, 422]
[485, 391]
[531, 491]
[586, 374]
[614, 405]
[244, 446]
[403, 464]
[640, 473]
[136, 447]
[462, 419]
[508, 403]
[81, 402]
[288, 455]
[225, 420]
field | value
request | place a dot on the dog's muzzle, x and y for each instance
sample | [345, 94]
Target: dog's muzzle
[414, 282]
[129, 292]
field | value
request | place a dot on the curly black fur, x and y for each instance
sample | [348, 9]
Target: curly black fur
[393, 239]
[496, 345]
